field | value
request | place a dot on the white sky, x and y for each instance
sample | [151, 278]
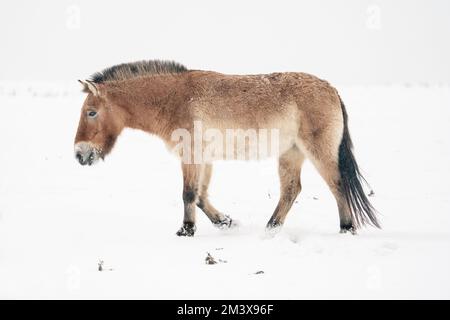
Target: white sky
[347, 41]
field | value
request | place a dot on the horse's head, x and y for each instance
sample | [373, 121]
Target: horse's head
[100, 124]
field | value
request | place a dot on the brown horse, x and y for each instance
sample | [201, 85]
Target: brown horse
[163, 97]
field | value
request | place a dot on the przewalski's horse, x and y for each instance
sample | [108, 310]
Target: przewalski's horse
[162, 97]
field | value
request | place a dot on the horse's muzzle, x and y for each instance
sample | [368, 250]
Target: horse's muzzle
[86, 153]
[87, 158]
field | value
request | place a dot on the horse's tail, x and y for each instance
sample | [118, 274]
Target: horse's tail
[362, 211]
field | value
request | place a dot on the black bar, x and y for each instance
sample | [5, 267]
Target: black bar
[221, 309]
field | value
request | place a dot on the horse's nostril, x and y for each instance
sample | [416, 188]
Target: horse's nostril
[79, 157]
[90, 158]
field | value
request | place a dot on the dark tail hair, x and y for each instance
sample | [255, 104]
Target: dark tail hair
[362, 211]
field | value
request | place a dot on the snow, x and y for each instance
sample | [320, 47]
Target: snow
[59, 219]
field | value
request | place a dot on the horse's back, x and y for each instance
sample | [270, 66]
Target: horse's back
[262, 90]
[262, 100]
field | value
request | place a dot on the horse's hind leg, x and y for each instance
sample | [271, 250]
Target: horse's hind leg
[329, 170]
[217, 218]
[191, 178]
[323, 151]
[289, 167]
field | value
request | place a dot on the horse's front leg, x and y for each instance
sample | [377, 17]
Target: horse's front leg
[218, 219]
[191, 182]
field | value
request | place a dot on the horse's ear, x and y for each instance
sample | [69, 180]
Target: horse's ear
[89, 87]
[85, 87]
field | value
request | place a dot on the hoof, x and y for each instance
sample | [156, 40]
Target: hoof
[272, 229]
[349, 228]
[226, 223]
[187, 230]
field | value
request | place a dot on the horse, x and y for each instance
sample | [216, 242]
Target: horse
[162, 97]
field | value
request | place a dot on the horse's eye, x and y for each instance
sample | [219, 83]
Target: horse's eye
[92, 114]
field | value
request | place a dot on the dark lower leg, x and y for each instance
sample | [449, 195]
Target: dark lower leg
[188, 228]
[345, 218]
[190, 198]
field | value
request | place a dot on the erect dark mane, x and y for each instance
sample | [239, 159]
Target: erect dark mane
[137, 69]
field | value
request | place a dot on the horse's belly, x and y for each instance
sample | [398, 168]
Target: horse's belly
[251, 140]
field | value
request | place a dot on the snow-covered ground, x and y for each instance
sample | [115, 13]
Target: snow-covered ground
[58, 219]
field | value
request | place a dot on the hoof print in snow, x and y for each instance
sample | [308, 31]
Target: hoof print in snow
[259, 272]
[315, 198]
[371, 193]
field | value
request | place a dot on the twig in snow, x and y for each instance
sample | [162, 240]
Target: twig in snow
[101, 266]
[210, 259]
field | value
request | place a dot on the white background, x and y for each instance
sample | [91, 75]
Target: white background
[352, 41]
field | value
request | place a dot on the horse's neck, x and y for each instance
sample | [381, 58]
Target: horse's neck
[150, 107]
